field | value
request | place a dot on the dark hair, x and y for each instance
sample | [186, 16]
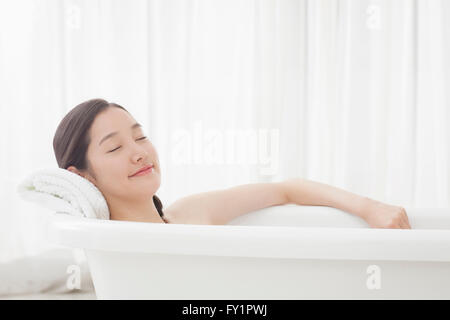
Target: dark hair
[72, 137]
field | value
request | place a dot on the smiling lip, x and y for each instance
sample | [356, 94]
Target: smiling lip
[143, 171]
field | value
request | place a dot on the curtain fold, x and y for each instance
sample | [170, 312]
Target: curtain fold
[353, 93]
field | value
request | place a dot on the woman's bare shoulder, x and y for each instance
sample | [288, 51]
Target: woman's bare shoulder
[183, 212]
[218, 207]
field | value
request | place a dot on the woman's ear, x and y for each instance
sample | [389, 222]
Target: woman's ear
[78, 172]
[86, 175]
[74, 170]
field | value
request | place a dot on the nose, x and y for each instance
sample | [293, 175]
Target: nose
[139, 153]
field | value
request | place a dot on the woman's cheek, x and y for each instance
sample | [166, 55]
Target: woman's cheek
[114, 166]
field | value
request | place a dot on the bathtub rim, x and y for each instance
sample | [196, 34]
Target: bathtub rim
[250, 241]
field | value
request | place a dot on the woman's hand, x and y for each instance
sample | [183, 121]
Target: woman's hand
[381, 215]
[375, 213]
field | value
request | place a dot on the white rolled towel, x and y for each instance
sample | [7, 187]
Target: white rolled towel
[64, 192]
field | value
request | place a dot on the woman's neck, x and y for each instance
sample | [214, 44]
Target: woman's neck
[144, 211]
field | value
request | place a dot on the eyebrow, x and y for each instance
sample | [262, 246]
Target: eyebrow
[134, 126]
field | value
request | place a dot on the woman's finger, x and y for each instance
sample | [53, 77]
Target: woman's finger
[404, 224]
[406, 221]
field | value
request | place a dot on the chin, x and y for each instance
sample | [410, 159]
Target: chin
[140, 195]
[151, 187]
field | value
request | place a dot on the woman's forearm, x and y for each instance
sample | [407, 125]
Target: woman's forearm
[307, 192]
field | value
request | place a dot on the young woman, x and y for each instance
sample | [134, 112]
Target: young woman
[103, 143]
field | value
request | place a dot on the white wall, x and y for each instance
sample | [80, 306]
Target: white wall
[353, 93]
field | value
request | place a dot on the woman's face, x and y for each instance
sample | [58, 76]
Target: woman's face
[113, 160]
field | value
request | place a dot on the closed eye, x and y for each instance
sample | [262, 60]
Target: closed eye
[119, 146]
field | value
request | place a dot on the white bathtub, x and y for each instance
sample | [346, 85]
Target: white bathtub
[281, 252]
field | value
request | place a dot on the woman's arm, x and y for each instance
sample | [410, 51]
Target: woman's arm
[221, 206]
[375, 213]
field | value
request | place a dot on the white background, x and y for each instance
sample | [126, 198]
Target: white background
[357, 91]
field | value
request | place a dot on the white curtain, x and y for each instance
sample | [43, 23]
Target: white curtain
[353, 93]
